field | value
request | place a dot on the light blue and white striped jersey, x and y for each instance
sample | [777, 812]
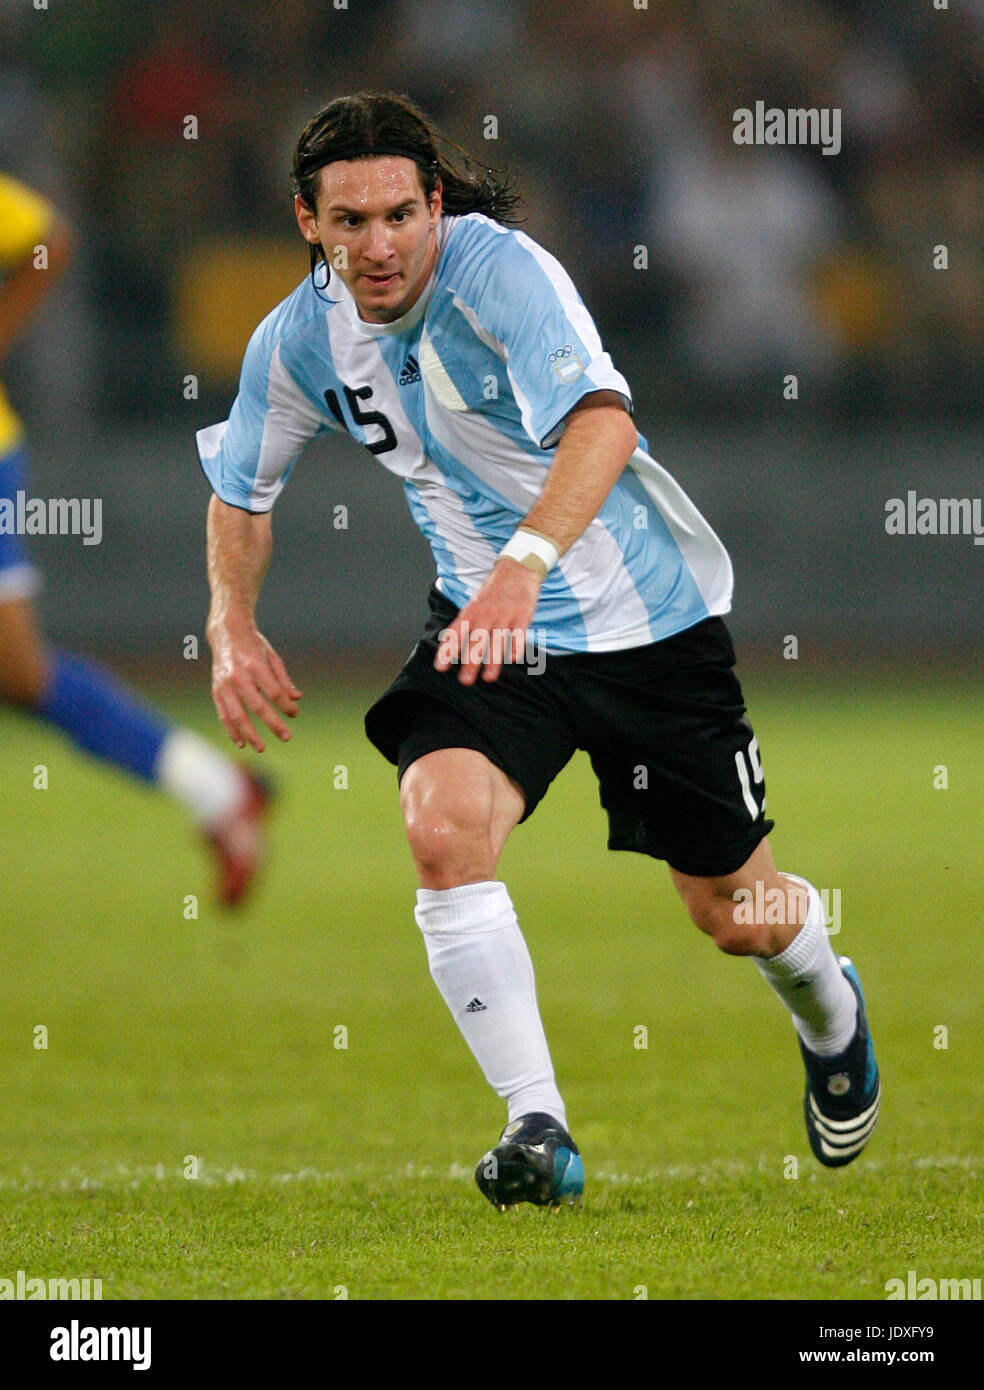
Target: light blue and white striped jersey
[465, 399]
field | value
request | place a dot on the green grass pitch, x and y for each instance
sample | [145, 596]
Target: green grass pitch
[327, 1170]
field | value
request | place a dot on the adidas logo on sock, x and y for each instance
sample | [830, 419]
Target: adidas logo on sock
[475, 1006]
[410, 374]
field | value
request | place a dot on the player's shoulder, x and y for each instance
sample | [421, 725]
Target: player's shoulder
[289, 324]
[473, 241]
[481, 254]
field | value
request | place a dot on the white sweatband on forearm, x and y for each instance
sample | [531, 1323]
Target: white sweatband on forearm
[531, 549]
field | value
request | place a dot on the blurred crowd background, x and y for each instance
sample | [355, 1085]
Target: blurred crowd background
[756, 263]
[618, 123]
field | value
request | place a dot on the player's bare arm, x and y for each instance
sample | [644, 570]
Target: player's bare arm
[590, 458]
[247, 674]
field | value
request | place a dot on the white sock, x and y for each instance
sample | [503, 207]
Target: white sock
[480, 963]
[808, 980]
[208, 784]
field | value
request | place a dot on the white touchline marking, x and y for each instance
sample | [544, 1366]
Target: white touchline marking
[123, 1176]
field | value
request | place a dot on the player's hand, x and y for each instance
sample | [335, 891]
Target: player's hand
[248, 675]
[491, 628]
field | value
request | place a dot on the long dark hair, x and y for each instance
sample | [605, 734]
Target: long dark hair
[369, 123]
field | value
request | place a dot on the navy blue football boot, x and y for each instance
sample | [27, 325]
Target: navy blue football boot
[843, 1091]
[536, 1161]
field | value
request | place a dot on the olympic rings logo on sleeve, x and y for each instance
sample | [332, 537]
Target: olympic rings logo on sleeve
[567, 363]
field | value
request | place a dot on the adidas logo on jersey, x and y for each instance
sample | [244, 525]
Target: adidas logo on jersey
[411, 371]
[475, 1006]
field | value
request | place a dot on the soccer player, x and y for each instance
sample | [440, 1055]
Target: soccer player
[458, 352]
[98, 714]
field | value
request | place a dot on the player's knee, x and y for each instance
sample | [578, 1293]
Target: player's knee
[432, 833]
[448, 853]
[450, 837]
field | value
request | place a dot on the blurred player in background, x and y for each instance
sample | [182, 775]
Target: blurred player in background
[459, 353]
[78, 696]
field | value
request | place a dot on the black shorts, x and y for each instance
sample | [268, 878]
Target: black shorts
[664, 725]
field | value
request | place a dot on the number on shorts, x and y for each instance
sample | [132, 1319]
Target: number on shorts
[749, 771]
